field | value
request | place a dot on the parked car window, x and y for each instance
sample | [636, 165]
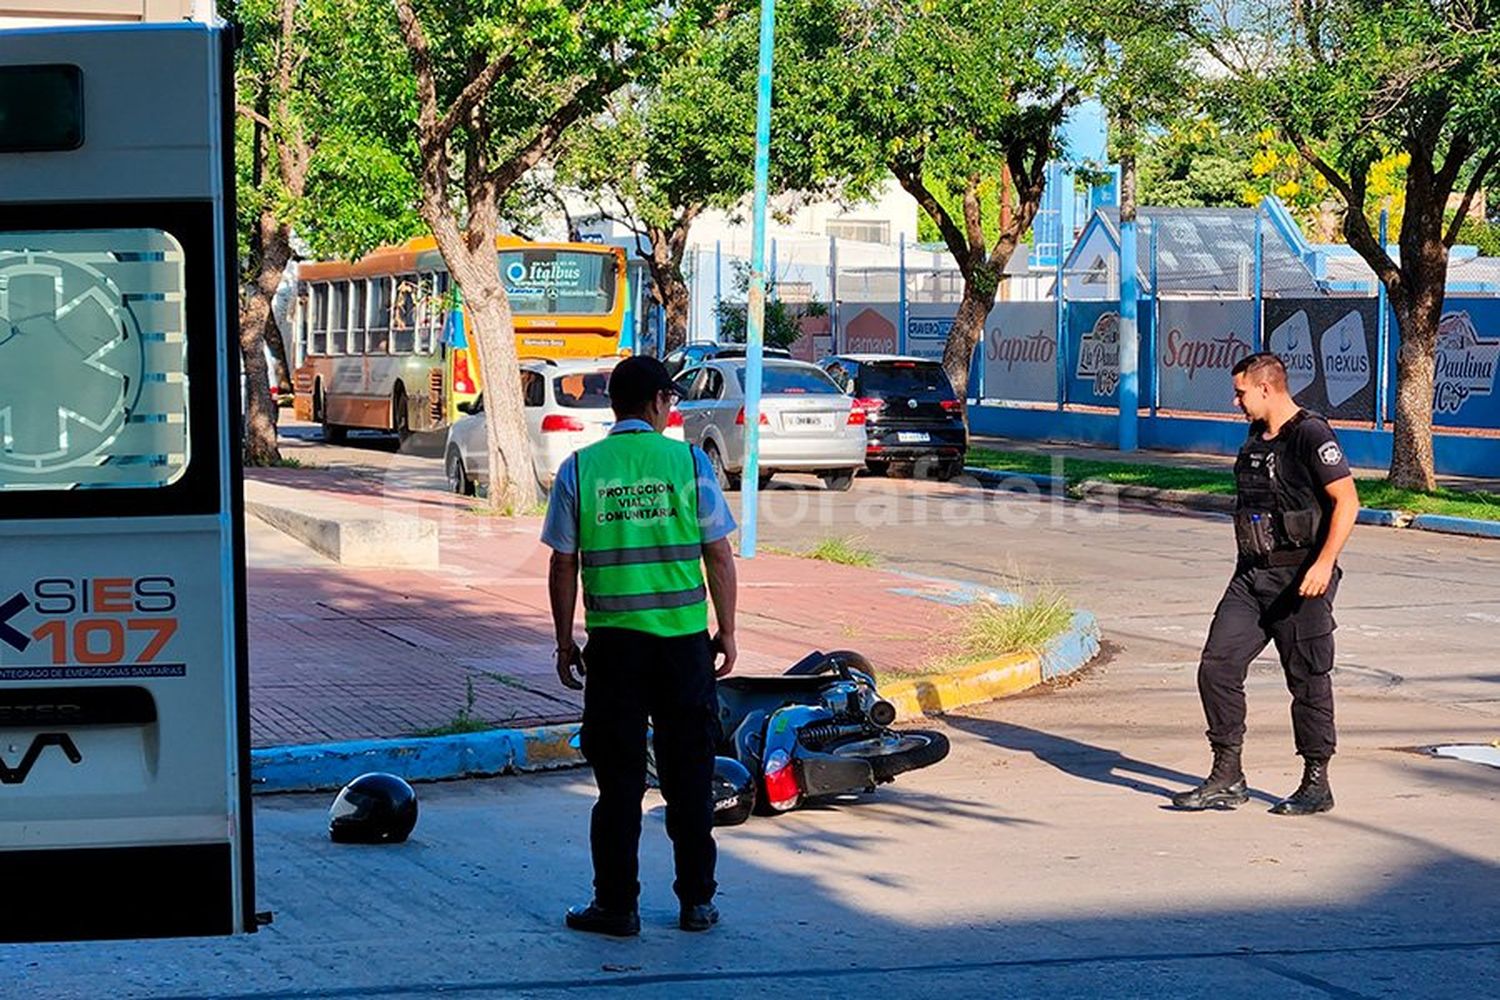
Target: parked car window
[839, 372]
[924, 381]
[582, 390]
[713, 384]
[533, 389]
[793, 380]
[684, 383]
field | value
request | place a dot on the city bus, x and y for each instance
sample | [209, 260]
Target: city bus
[381, 343]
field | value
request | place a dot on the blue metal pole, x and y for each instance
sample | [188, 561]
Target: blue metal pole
[1383, 332]
[755, 327]
[1062, 309]
[1152, 351]
[901, 335]
[1260, 271]
[1128, 392]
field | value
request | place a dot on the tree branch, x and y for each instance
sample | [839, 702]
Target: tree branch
[582, 101]
[420, 53]
[1485, 168]
[474, 92]
[254, 116]
[1356, 226]
[909, 175]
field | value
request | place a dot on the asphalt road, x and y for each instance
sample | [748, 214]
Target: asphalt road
[1037, 860]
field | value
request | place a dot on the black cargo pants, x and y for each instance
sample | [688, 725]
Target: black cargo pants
[1261, 605]
[632, 676]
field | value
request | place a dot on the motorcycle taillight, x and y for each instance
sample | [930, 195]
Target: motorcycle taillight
[782, 790]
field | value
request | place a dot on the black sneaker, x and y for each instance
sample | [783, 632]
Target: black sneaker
[597, 920]
[698, 918]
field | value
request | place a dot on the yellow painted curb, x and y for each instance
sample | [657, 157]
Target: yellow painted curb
[1004, 675]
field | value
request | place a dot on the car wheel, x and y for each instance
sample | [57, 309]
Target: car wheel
[458, 476]
[838, 480]
[727, 480]
[949, 470]
[875, 468]
[900, 470]
[764, 479]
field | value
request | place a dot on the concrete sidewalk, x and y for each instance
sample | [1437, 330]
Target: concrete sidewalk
[345, 653]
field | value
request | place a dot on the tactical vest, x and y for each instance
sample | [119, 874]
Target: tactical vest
[639, 540]
[1278, 517]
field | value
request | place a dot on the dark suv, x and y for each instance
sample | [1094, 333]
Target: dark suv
[912, 417]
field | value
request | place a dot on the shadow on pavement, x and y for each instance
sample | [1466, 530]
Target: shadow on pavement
[1085, 760]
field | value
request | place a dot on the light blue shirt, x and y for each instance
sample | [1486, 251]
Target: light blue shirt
[560, 530]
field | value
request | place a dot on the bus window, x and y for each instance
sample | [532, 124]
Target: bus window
[357, 319]
[380, 316]
[303, 318]
[404, 318]
[544, 281]
[338, 318]
[429, 313]
[320, 319]
[93, 360]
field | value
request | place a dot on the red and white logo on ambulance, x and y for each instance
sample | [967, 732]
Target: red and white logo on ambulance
[99, 627]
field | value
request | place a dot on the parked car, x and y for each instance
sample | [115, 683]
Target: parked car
[690, 355]
[913, 419]
[567, 408]
[807, 424]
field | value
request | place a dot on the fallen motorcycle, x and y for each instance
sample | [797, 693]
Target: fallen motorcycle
[817, 731]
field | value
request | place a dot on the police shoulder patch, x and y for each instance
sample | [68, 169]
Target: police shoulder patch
[1330, 454]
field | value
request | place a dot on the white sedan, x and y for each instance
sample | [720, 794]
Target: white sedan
[567, 408]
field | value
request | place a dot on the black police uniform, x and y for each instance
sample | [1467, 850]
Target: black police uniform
[1281, 522]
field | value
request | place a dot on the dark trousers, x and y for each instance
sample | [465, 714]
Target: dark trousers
[632, 676]
[1260, 606]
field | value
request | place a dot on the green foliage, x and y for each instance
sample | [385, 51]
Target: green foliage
[1483, 235]
[782, 326]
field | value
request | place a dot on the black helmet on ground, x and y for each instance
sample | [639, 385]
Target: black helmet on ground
[734, 792]
[375, 808]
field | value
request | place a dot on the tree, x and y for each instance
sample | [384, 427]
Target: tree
[782, 322]
[1350, 83]
[660, 156]
[494, 86]
[953, 95]
[298, 166]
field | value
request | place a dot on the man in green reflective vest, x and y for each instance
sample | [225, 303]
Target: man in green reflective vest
[643, 517]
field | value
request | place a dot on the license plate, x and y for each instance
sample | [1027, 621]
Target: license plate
[913, 437]
[807, 421]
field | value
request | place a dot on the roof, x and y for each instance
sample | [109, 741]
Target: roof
[864, 359]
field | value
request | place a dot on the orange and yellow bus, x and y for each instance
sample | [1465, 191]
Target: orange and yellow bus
[380, 343]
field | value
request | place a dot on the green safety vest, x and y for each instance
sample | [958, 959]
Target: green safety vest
[639, 540]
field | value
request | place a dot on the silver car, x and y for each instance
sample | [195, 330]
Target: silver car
[807, 424]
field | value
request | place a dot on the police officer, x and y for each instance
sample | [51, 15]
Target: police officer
[1295, 506]
[643, 516]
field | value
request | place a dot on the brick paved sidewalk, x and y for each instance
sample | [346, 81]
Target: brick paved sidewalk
[339, 653]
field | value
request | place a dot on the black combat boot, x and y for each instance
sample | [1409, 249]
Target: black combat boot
[1312, 796]
[1224, 788]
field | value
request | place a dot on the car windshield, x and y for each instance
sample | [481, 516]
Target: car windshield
[582, 390]
[922, 381]
[792, 380]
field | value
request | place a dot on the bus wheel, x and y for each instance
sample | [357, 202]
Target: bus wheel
[400, 419]
[332, 433]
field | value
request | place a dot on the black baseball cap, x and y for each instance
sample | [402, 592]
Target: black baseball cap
[635, 380]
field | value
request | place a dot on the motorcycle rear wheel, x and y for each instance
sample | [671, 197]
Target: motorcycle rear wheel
[893, 753]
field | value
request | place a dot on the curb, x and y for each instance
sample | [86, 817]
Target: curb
[997, 678]
[1218, 503]
[329, 766]
[1025, 482]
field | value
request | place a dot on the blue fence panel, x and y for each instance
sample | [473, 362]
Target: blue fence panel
[1093, 353]
[1468, 356]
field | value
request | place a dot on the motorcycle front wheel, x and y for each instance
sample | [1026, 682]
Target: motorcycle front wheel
[892, 753]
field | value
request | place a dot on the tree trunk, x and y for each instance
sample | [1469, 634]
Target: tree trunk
[670, 291]
[968, 328]
[1417, 317]
[273, 243]
[487, 312]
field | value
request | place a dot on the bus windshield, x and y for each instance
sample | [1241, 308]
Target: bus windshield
[545, 281]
